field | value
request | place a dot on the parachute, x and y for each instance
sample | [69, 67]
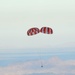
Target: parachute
[32, 31]
[45, 30]
[35, 30]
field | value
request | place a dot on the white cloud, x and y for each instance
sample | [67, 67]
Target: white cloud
[53, 66]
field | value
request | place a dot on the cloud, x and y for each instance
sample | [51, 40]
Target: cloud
[52, 66]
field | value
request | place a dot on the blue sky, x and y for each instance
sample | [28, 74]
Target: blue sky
[18, 50]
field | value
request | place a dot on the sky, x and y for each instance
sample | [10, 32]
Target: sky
[16, 48]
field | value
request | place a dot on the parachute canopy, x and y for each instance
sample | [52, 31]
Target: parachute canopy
[32, 31]
[35, 30]
[46, 30]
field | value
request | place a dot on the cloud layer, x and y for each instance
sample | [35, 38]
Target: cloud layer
[53, 66]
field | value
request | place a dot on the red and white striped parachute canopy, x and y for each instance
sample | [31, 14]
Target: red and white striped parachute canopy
[35, 30]
[46, 30]
[32, 31]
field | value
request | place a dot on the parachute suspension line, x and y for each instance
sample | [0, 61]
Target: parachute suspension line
[40, 58]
